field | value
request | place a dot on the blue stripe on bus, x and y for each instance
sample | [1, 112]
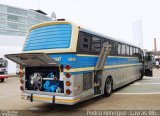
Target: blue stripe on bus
[49, 37]
[84, 62]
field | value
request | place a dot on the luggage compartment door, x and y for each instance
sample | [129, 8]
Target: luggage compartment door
[32, 59]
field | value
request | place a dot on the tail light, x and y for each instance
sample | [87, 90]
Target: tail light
[21, 81]
[21, 88]
[68, 75]
[68, 83]
[68, 67]
[21, 67]
[21, 73]
[68, 92]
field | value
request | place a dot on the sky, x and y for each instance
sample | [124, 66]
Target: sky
[113, 18]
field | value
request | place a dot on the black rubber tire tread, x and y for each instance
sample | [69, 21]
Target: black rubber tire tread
[2, 80]
[107, 94]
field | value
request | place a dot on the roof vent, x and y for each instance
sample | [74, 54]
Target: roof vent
[60, 19]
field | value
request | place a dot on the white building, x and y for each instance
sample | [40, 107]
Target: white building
[14, 23]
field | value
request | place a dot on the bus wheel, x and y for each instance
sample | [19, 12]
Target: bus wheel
[108, 87]
[2, 80]
[141, 74]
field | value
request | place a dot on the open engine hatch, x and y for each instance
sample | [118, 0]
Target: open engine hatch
[32, 59]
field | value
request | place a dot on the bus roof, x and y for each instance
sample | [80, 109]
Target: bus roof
[48, 23]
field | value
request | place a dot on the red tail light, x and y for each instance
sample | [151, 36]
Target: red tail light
[21, 81]
[21, 67]
[68, 67]
[21, 88]
[68, 75]
[21, 73]
[68, 91]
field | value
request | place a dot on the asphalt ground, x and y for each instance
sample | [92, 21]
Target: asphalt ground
[139, 95]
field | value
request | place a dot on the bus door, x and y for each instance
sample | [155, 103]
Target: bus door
[148, 64]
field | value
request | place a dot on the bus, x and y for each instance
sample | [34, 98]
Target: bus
[3, 69]
[63, 63]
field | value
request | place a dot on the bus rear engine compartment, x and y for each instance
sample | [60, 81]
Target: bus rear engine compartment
[46, 79]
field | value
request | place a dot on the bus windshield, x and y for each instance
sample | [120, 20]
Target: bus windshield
[3, 64]
[49, 37]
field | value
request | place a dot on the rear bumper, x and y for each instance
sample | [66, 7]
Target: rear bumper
[3, 76]
[51, 98]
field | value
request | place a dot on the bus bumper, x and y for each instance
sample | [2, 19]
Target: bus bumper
[51, 99]
[3, 76]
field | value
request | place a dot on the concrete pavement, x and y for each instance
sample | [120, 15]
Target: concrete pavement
[140, 95]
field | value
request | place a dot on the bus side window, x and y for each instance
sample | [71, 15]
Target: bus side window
[127, 50]
[123, 52]
[140, 55]
[84, 41]
[131, 51]
[114, 48]
[135, 51]
[96, 45]
[119, 49]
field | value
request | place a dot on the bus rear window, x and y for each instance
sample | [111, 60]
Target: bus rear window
[49, 37]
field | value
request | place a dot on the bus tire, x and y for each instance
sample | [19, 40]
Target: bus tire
[2, 80]
[141, 74]
[108, 87]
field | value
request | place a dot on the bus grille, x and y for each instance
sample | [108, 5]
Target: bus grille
[87, 81]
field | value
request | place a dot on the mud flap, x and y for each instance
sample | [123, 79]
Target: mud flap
[148, 72]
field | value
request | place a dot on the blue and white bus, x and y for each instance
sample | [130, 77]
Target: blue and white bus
[59, 63]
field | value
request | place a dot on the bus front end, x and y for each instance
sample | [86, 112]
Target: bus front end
[48, 55]
[3, 69]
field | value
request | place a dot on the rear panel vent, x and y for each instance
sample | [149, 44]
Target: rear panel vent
[87, 80]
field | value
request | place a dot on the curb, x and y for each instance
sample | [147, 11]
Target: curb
[12, 75]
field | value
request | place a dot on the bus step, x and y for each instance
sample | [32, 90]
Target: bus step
[97, 95]
[97, 90]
